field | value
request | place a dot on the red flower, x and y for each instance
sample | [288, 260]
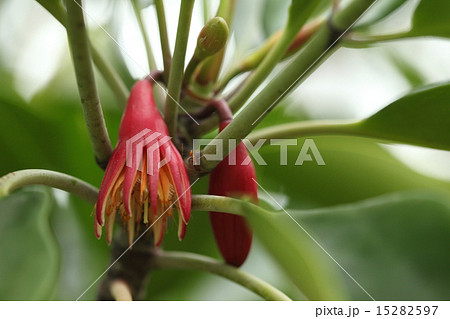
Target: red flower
[145, 178]
[232, 234]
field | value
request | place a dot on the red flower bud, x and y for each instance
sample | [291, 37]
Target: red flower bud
[145, 178]
[232, 234]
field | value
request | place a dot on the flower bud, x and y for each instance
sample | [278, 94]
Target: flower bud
[233, 235]
[212, 38]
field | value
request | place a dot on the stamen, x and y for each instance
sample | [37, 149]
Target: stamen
[146, 211]
[143, 176]
[165, 185]
[131, 225]
[117, 184]
[172, 193]
[110, 226]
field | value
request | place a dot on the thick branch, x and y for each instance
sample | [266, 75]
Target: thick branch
[145, 38]
[303, 129]
[183, 260]
[73, 185]
[81, 56]
[110, 75]
[164, 38]
[177, 67]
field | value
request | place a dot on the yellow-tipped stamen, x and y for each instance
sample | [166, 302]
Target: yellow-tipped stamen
[174, 196]
[123, 214]
[146, 211]
[117, 184]
[158, 223]
[131, 222]
[110, 226]
[143, 185]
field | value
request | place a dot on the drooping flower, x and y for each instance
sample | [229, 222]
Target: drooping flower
[236, 179]
[145, 180]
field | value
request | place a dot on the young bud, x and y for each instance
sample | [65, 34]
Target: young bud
[233, 235]
[212, 38]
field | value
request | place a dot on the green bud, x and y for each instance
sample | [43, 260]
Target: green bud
[212, 38]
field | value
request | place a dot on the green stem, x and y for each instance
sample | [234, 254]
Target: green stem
[223, 204]
[361, 42]
[211, 40]
[81, 56]
[263, 70]
[218, 204]
[190, 261]
[165, 48]
[145, 38]
[73, 185]
[177, 67]
[295, 22]
[111, 77]
[251, 61]
[210, 69]
[302, 129]
[55, 8]
[300, 68]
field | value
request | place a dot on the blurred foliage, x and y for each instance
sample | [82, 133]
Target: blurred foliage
[30, 264]
[395, 246]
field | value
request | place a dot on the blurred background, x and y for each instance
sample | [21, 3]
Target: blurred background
[396, 249]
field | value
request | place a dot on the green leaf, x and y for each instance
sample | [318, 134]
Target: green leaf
[29, 267]
[408, 70]
[305, 263]
[420, 118]
[395, 246]
[431, 18]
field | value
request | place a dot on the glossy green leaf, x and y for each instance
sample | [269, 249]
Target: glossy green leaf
[29, 267]
[431, 18]
[395, 246]
[304, 262]
[420, 118]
